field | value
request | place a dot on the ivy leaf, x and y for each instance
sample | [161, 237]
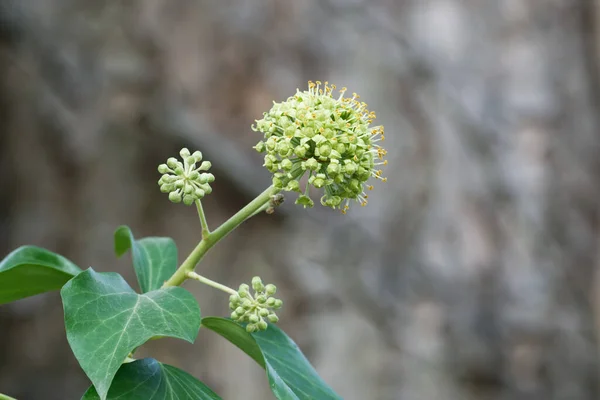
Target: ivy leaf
[105, 320]
[150, 379]
[291, 377]
[154, 258]
[31, 270]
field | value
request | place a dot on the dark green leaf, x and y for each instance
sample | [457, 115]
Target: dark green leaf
[149, 379]
[31, 270]
[154, 258]
[105, 320]
[290, 374]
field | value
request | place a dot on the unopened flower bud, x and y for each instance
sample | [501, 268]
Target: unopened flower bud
[270, 289]
[184, 153]
[257, 284]
[263, 312]
[261, 325]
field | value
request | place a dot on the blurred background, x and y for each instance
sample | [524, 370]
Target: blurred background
[471, 274]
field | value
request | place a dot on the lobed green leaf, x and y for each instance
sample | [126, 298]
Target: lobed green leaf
[105, 320]
[290, 374]
[154, 258]
[31, 270]
[149, 379]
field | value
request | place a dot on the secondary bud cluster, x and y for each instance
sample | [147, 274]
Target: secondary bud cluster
[328, 138]
[255, 309]
[183, 180]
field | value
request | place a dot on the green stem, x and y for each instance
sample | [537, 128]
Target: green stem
[260, 210]
[5, 397]
[209, 282]
[212, 238]
[203, 222]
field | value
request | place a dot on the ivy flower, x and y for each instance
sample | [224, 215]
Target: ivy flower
[329, 139]
[183, 180]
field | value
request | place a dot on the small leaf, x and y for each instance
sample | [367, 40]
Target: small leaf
[154, 258]
[31, 270]
[105, 320]
[290, 374]
[150, 379]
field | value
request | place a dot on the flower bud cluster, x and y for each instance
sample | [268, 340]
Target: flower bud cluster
[257, 309]
[183, 180]
[328, 138]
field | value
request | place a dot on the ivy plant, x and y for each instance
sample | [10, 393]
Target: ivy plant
[312, 139]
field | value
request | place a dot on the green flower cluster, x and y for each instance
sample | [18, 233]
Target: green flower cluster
[255, 309]
[184, 181]
[327, 137]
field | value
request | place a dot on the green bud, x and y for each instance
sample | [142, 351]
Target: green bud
[257, 284]
[240, 311]
[244, 288]
[311, 164]
[234, 299]
[260, 147]
[271, 143]
[333, 168]
[293, 186]
[319, 181]
[263, 312]
[199, 193]
[286, 164]
[247, 304]
[350, 167]
[179, 170]
[261, 325]
[277, 183]
[166, 188]
[300, 151]
[188, 199]
[175, 197]
[205, 166]
[270, 289]
[184, 153]
[273, 318]
[278, 303]
[325, 150]
[254, 318]
[261, 299]
[234, 315]
[271, 301]
[250, 328]
[197, 156]
[163, 168]
[173, 163]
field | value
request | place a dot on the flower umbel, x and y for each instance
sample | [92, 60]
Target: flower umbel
[255, 309]
[184, 181]
[327, 137]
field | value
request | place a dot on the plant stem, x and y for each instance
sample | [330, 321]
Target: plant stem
[203, 222]
[5, 397]
[206, 281]
[260, 210]
[213, 237]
